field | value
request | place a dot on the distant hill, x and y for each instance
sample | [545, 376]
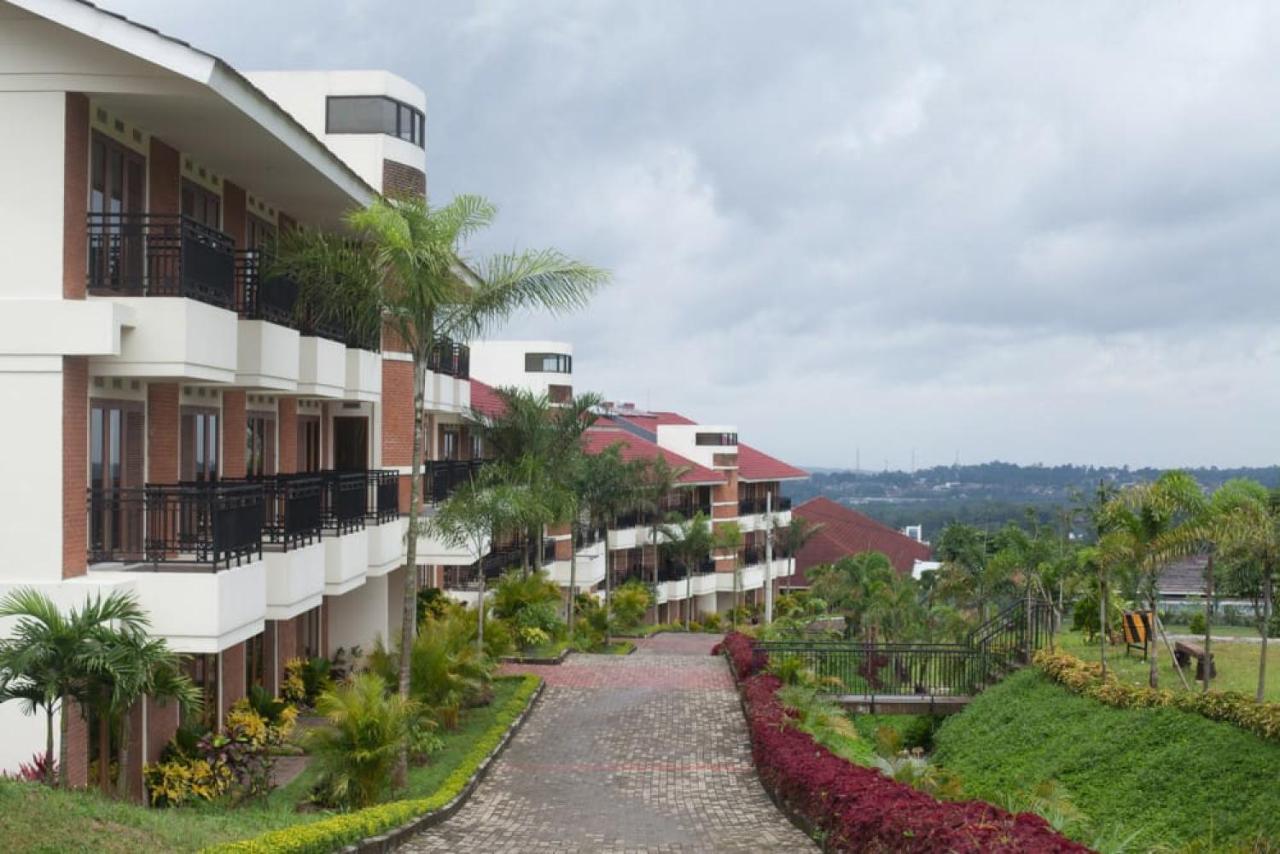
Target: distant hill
[988, 494]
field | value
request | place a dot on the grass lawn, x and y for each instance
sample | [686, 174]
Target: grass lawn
[33, 818]
[551, 649]
[1237, 664]
[1173, 777]
[618, 647]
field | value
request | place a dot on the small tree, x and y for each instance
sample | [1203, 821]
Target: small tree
[657, 480]
[688, 542]
[727, 537]
[474, 517]
[45, 660]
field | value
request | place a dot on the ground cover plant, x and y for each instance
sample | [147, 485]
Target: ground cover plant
[859, 809]
[1151, 776]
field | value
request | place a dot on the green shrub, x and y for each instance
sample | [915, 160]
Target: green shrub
[711, 622]
[528, 601]
[331, 834]
[446, 670]
[1085, 614]
[357, 751]
[1171, 777]
[630, 603]
[1196, 625]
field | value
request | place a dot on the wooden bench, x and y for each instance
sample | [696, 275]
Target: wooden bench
[1184, 652]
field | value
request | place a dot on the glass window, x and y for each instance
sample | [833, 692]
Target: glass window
[717, 439]
[548, 363]
[375, 114]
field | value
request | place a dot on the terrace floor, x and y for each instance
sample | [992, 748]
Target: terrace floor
[646, 752]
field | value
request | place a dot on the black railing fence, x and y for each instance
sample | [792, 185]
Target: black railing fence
[450, 358]
[263, 296]
[754, 506]
[383, 502]
[293, 509]
[160, 255]
[343, 501]
[441, 478]
[960, 669]
[219, 526]
[670, 569]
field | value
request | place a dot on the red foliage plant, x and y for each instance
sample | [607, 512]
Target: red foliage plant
[860, 809]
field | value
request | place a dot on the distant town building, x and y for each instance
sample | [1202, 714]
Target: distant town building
[847, 532]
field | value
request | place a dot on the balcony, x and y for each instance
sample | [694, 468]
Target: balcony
[441, 478]
[756, 506]
[205, 524]
[672, 570]
[160, 255]
[264, 297]
[451, 359]
[383, 522]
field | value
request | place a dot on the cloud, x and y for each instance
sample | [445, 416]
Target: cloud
[1032, 231]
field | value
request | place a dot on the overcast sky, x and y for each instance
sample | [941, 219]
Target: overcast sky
[1038, 232]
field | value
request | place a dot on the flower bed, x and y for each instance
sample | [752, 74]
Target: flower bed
[333, 833]
[1085, 678]
[859, 809]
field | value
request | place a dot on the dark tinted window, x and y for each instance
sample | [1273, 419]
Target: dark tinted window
[717, 439]
[375, 114]
[548, 363]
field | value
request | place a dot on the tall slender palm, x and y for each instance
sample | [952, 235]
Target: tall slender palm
[658, 480]
[407, 273]
[1142, 519]
[688, 542]
[611, 491]
[727, 538]
[794, 536]
[46, 660]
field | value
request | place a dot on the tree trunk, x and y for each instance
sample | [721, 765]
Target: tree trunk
[64, 750]
[524, 558]
[608, 592]
[122, 767]
[1266, 630]
[409, 609]
[1153, 670]
[1208, 625]
[653, 535]
[688, 592]
[104, 753]
[1102, 623]
[480, 615]
[48, 747]
[573, 575]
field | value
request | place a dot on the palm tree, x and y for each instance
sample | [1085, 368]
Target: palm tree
[794, 538]
[658, 479]
[967, 570]
[408, 274]
[1143, 519]
[688, 542]
[728, 538]
[46, 659]
[613, 484]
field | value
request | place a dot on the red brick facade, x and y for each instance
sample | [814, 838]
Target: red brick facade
[165, 172]
[287, 428]
[75, 465]
[233, 434]
[399, 180]
[233, 677]
[162, 432]
[75, 196]
[397, 413]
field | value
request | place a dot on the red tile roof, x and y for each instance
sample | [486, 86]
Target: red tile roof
[847, 532]
[485, 400]
[632, 447]
[651, 421]
[757, 465]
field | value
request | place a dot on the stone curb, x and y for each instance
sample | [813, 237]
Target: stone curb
[522, 659]
[802, 823]
[393, 839]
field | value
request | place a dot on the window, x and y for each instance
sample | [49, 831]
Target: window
[716, 439]
[260, 445]
[450, 443]
[260, 233]
[255, 664]
[376, 114]
[201, 205]
[560, 393]
[548, 363]
[308, 443]
[477, 446]
[198, 433]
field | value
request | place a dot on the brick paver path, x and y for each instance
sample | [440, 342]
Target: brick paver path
[646, 752]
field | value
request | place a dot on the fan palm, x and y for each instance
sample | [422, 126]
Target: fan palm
[408, 274]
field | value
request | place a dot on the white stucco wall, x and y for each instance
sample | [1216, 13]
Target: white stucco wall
[32, 140]
[501, 364]
[682, 439]
[30, 470]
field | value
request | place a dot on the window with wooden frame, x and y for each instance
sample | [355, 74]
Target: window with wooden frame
[260, 444]
[202, 205]
[198, 444]
[308, 443]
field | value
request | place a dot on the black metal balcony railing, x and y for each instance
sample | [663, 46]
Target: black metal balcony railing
[755, 506]
[160, 255]
[264, 297]
[344, 498]
[685, 509]
[329, 328]
[215, 525]
[440, 478]
[674, 570]
[450, 358]
[753, 555]
[588, 537]
[383, 503]
[633, 572]
[294, 509]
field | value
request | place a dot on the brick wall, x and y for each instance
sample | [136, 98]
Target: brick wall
[165, 172]
[397, 413]
[233, 433]
[162, 432]
[286, 647]
[75, 449]
[75, 190]
[399, 180]
[233, 677]
[287, 429]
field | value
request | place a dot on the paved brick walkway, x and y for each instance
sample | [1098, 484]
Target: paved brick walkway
[646, 752]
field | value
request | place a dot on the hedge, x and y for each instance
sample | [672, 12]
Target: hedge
[1085, 678]
[859, 809]
[330, 834]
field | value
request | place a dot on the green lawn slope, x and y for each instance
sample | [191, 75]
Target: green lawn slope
[1175, 779]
